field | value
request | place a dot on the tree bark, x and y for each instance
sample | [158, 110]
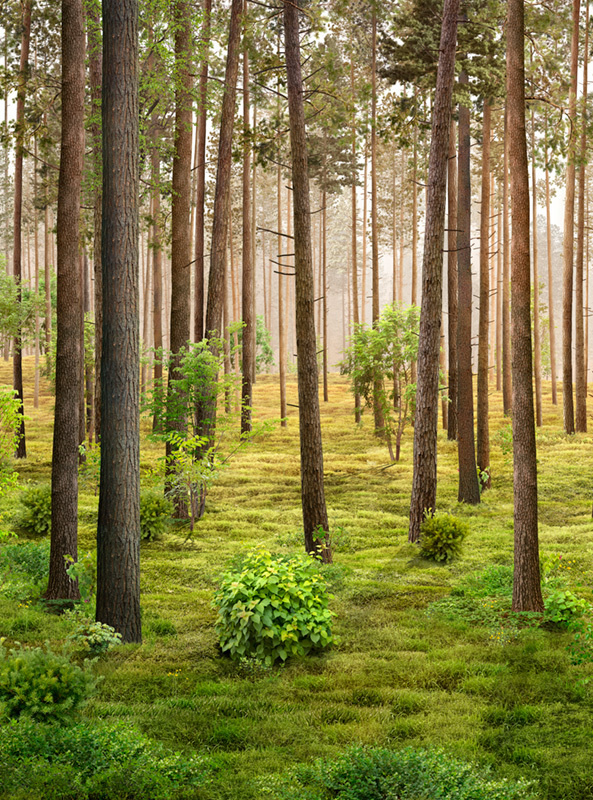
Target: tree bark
[118, 530]
[17, 356]
[452, 280]
[507, 401]
[424, 484]
[483, 448]
[579, 337]
[469, 489]
[526, 585]
[552, 327]
[537, 343]
[378, 416]
[64, 474]
[312, 492]
[354, 248]
[248, 297]
[568, 244]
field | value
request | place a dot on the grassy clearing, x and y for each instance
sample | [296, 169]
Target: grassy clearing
[405, 672]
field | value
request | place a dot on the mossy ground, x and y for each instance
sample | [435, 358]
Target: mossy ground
[399, 676]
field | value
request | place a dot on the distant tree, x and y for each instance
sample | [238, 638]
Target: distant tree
[69, 353]
[527, 594]
[118, 529]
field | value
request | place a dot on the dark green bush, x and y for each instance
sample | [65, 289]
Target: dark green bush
[92, 761]
[35, 516]
[41, 684]
[271, 607]
[155, 512]
[28, 559]
[441, 537]
[369, 774]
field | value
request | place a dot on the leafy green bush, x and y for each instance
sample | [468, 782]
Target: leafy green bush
[372, 774]
[41, 684]
[92, 760]
[155, 512]
[95, 638]
[35, 516]
[271, 607]
[562, 606]
[30, 559]
[441, 537]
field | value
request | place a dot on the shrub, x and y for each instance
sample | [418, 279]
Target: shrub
[95, 760]
[41, 684]
[372, 774]
[30, 559]
[272, 607]
[441, 537]
[562, 606]
[35, 516]
[155, 511]
[95, 638]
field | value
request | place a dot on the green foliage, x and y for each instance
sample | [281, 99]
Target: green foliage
[17, 315]
[441, 537]
[89, 470]
[155, 513]
[41, 684]
[93, 760]
[10, 421]
[379, 363]
[272, 607]
[30, 559]
[504, 438]
[94, 638]
[85, 572]
[373, 774]
[562, 606]
[35, 516]
[581, 647]
[264, 355]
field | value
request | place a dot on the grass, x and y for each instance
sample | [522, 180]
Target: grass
[406, 671]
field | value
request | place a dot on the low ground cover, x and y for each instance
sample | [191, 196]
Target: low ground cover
[428, 654]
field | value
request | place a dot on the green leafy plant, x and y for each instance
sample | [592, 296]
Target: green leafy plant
[562, 606]
[379, 363]
[85, 572]
[89, 469]
[94, 760]
[581, 647]
[41, 684]
[364, 773]
[484, 476]
[155, 513]
[272, 607]
[95, 638]
[35, 516]
[504, 438]
[10, 422]
[441, 537]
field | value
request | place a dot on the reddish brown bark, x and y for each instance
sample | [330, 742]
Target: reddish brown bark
[483, 443]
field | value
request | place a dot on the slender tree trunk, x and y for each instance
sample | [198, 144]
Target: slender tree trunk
[552, 327]
[95, 56]
[118, 530]
[157, 278]
[424, 483]
[378, 416]
[507, 401]
[483, 444]
[36, 238]
[248, 349]
[324, 296]
[499, 295]
[281, 309]
[579, 338]
[354, 248]
[469, 489]
[364, 234]
[537, 344]
[17, 356]
[199, 254]
[452, 289]
[312, 492]
[47, 278]
[526, 586]
[64, 473]
[568, 245]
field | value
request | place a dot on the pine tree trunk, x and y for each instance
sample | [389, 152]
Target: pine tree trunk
[537, 344]
[157, 269]
[452, 289]
[568, 244]
[378, 416]
[64, 474]
[36, 285]
[199, 255]
[424, 484]
[17, 356]
[552, 327]
[354, 247]
[118, 530]
[312, 492]
[364, 234]
[248, 297]
[507, 401]
[324, 295]
[526, 586]
[281, 309]
[483, 443]
[579, 338]
[499, 295]
[469, 489]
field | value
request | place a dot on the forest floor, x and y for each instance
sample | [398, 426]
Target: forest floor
[428, 655]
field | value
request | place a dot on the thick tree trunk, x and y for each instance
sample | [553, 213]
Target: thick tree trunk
[568, 244]
[424, 485]
[469, 489]
[526, 586]
[118, 530]
[452, 280]
[199, 254]
[17, 356]
[64, 474]
[579, 337]
[483, 443]
[312, 492]
[248, 301]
